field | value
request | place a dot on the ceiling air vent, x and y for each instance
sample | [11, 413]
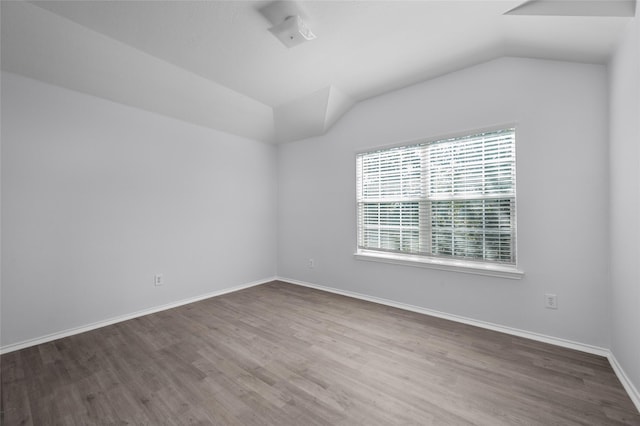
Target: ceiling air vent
[288, 22]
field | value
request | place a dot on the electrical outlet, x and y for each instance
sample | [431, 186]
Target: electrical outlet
[550, 301]
[158, 280]
[311, 263]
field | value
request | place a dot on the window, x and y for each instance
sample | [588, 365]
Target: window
[450, 200]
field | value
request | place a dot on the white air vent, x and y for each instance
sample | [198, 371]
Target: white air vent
[288, 20]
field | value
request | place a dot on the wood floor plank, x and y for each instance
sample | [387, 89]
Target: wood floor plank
[280, 354]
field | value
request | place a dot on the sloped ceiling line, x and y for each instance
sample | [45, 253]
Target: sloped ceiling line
[215, 64]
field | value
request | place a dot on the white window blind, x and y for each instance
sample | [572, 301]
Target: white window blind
[452, 198]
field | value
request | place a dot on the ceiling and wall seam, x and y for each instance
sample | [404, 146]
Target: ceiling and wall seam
[215, 63]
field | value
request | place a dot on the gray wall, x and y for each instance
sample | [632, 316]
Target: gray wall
[560, 110]
[625, 202]
[97, 197]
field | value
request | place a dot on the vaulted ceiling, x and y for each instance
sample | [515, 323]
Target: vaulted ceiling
[215, 64]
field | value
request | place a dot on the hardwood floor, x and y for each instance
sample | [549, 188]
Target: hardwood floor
[280, 354]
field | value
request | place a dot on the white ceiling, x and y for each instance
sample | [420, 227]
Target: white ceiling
[214, 63]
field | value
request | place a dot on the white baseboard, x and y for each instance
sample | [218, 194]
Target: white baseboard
[483, 324]
[624, 379]
[76, 330]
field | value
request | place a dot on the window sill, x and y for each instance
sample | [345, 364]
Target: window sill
[442, 264]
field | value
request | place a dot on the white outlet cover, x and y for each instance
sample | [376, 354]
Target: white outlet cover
[158, 280]
[550, 301]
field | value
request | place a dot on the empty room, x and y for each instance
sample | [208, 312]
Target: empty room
[320, 212]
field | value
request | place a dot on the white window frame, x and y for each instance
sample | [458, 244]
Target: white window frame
[479, 267]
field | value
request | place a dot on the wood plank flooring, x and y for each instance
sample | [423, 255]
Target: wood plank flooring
[280, 354]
